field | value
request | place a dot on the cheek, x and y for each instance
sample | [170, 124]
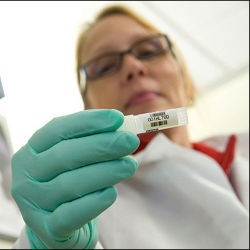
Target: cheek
[170, 78]
[102, 96]
[169, 71]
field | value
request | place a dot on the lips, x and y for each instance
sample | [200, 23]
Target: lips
[141, 97]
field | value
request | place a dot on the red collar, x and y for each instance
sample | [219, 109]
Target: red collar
[224, 159]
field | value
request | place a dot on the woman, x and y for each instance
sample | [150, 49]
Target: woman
[179, 197]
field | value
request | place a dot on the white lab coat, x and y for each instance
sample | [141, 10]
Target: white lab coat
[178, 198]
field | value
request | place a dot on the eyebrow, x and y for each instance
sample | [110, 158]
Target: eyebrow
[103, 50]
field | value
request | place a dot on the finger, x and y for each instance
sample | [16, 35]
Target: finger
[76, 125]
[75, 153]
[74, 184]
[73, 215]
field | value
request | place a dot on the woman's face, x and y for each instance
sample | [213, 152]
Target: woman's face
[140, 86]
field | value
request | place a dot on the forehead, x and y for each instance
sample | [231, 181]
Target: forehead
[115, 32]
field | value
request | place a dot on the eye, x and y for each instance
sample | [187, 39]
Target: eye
[146, 53]
[148, 49]
[103, 66]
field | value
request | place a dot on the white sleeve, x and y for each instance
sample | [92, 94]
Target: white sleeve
[23, 241]
[99, 246]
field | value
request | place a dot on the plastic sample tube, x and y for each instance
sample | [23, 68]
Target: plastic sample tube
[154, 121]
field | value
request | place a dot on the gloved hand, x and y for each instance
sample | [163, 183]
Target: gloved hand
[63, 177]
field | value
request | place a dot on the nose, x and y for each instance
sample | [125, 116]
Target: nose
[132, 69]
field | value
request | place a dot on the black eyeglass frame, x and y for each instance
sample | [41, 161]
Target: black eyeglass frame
[122, 53]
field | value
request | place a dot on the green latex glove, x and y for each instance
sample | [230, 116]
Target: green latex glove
[63, 177]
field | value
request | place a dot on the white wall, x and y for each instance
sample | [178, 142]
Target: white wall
[223, 110]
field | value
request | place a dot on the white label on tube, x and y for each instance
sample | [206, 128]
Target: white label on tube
[158, 120]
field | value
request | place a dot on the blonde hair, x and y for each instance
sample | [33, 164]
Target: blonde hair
[122, 10]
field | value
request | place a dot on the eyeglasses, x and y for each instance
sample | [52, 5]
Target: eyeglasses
[110, 63]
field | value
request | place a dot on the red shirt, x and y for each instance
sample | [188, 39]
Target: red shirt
[224, 158]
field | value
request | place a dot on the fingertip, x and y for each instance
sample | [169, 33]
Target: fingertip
[109, 195]
[117, 117]
[131, 166]
[134, 162]
[132, 140]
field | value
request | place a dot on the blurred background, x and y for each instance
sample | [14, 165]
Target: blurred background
[37, 61]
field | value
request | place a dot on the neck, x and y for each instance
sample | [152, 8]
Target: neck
[178, 135]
